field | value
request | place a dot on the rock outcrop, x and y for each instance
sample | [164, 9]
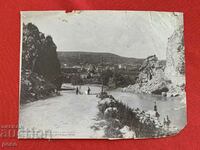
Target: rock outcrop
[157, 78]
[151, 79]
[175, 66]
[40, 68]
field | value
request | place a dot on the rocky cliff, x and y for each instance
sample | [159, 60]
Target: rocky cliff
[40, 67]
[157, 78]
[175, 66]
[151, 78]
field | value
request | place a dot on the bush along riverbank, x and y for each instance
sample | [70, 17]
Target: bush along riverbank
[118, 120]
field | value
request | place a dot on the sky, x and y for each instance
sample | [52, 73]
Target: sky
[137, 34]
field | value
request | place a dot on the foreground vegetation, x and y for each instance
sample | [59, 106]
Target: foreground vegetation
[120, 121]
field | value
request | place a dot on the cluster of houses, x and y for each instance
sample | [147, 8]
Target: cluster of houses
[91, 73]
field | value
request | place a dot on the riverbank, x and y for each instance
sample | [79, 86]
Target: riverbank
[174, 107]
[118, 120]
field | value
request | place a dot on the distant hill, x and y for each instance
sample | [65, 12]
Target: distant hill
[75, 58]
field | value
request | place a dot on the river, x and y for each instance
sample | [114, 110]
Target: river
[171, 106]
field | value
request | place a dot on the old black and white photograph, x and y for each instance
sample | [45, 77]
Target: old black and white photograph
[101, 74]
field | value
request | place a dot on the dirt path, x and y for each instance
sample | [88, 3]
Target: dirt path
[68, 115]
